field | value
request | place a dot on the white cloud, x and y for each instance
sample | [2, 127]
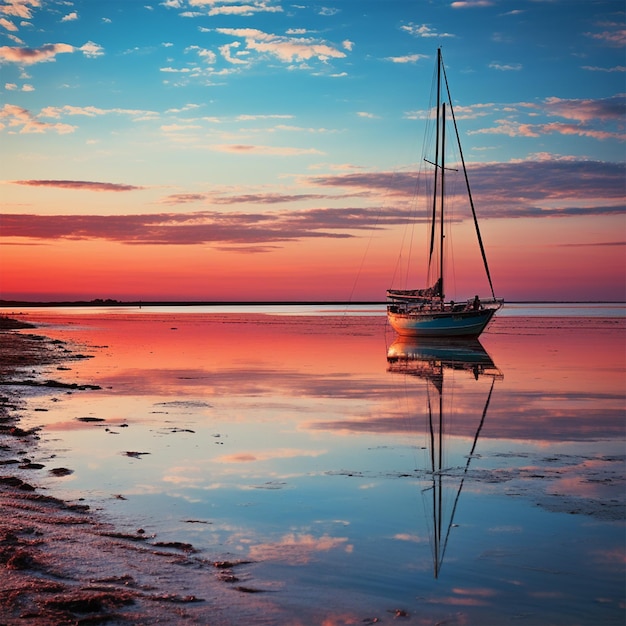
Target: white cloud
[506, 67]
[409, 58]
[92, 50]
[287, 49]
[423, 30]
[92, 111]
[204, 53]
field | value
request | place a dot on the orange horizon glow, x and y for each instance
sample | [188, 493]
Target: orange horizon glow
[525, 265]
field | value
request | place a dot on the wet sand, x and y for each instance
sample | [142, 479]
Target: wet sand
[61, 564]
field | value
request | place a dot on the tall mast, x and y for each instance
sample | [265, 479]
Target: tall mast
[443, 171]
[433, 220]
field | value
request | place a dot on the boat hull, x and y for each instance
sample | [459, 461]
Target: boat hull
[440, 324]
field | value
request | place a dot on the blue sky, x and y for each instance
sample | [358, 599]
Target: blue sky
[206, 111]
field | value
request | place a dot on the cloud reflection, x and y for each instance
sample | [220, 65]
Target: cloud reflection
[298, 549]
[248, 457]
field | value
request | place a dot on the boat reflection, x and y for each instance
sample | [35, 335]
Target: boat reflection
[432, 361]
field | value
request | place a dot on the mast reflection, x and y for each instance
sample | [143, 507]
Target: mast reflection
[432, 361]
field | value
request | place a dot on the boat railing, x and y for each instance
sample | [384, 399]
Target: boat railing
[409, 305]
[487, 303]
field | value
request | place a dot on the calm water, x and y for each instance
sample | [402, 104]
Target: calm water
[362, 475]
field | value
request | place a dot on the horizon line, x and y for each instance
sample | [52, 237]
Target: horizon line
[148, 303]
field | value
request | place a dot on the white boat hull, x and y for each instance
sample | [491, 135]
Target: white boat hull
[440, 324]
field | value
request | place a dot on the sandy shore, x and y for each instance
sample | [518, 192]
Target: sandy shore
[61, 564]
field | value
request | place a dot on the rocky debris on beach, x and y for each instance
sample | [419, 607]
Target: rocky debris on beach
[20, 351]
[59, 562]
[60, 565]
[9, 323]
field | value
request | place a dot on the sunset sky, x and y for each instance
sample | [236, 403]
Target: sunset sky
[264, 150]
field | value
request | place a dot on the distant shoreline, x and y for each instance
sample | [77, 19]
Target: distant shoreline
[147, 303]
[217, 303]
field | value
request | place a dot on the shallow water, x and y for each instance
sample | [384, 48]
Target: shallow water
[307, 440]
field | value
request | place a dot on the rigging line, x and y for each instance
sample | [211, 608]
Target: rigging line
[469, 192]
[422, 189]
[412, 230]
[367, 248]
[403, 267]
[469, 459]
[450, 259]
[399, 261]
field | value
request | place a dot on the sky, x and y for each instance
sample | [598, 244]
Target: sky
[212, 150]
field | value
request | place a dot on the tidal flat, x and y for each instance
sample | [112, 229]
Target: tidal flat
[302, 465]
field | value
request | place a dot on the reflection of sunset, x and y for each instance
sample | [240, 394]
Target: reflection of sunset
[302, 359]
[462, 601]
[475, 591]
[410, 538]
[248, 457]
[296, 549]
[613, 558]
[185, 475]
[271, 435]
[577, 479]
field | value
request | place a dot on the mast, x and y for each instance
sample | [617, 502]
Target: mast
[439, 476]
[443, 170]
[436, 164]
[436, 464]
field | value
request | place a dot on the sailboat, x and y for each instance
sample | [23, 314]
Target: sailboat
[433, 360]
[425, 312]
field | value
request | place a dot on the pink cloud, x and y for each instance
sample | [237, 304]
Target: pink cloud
[281, 453]
[614, 34]
[78, 184]
[251, 198]
[18, 117]
[471, 4]
[29, 56]
[598, 118]
[515, 129]
[613, 108]
[533, 189]
[257, 149]
[532, 180]
[19, 8]
[177, 229]
[8, 24]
